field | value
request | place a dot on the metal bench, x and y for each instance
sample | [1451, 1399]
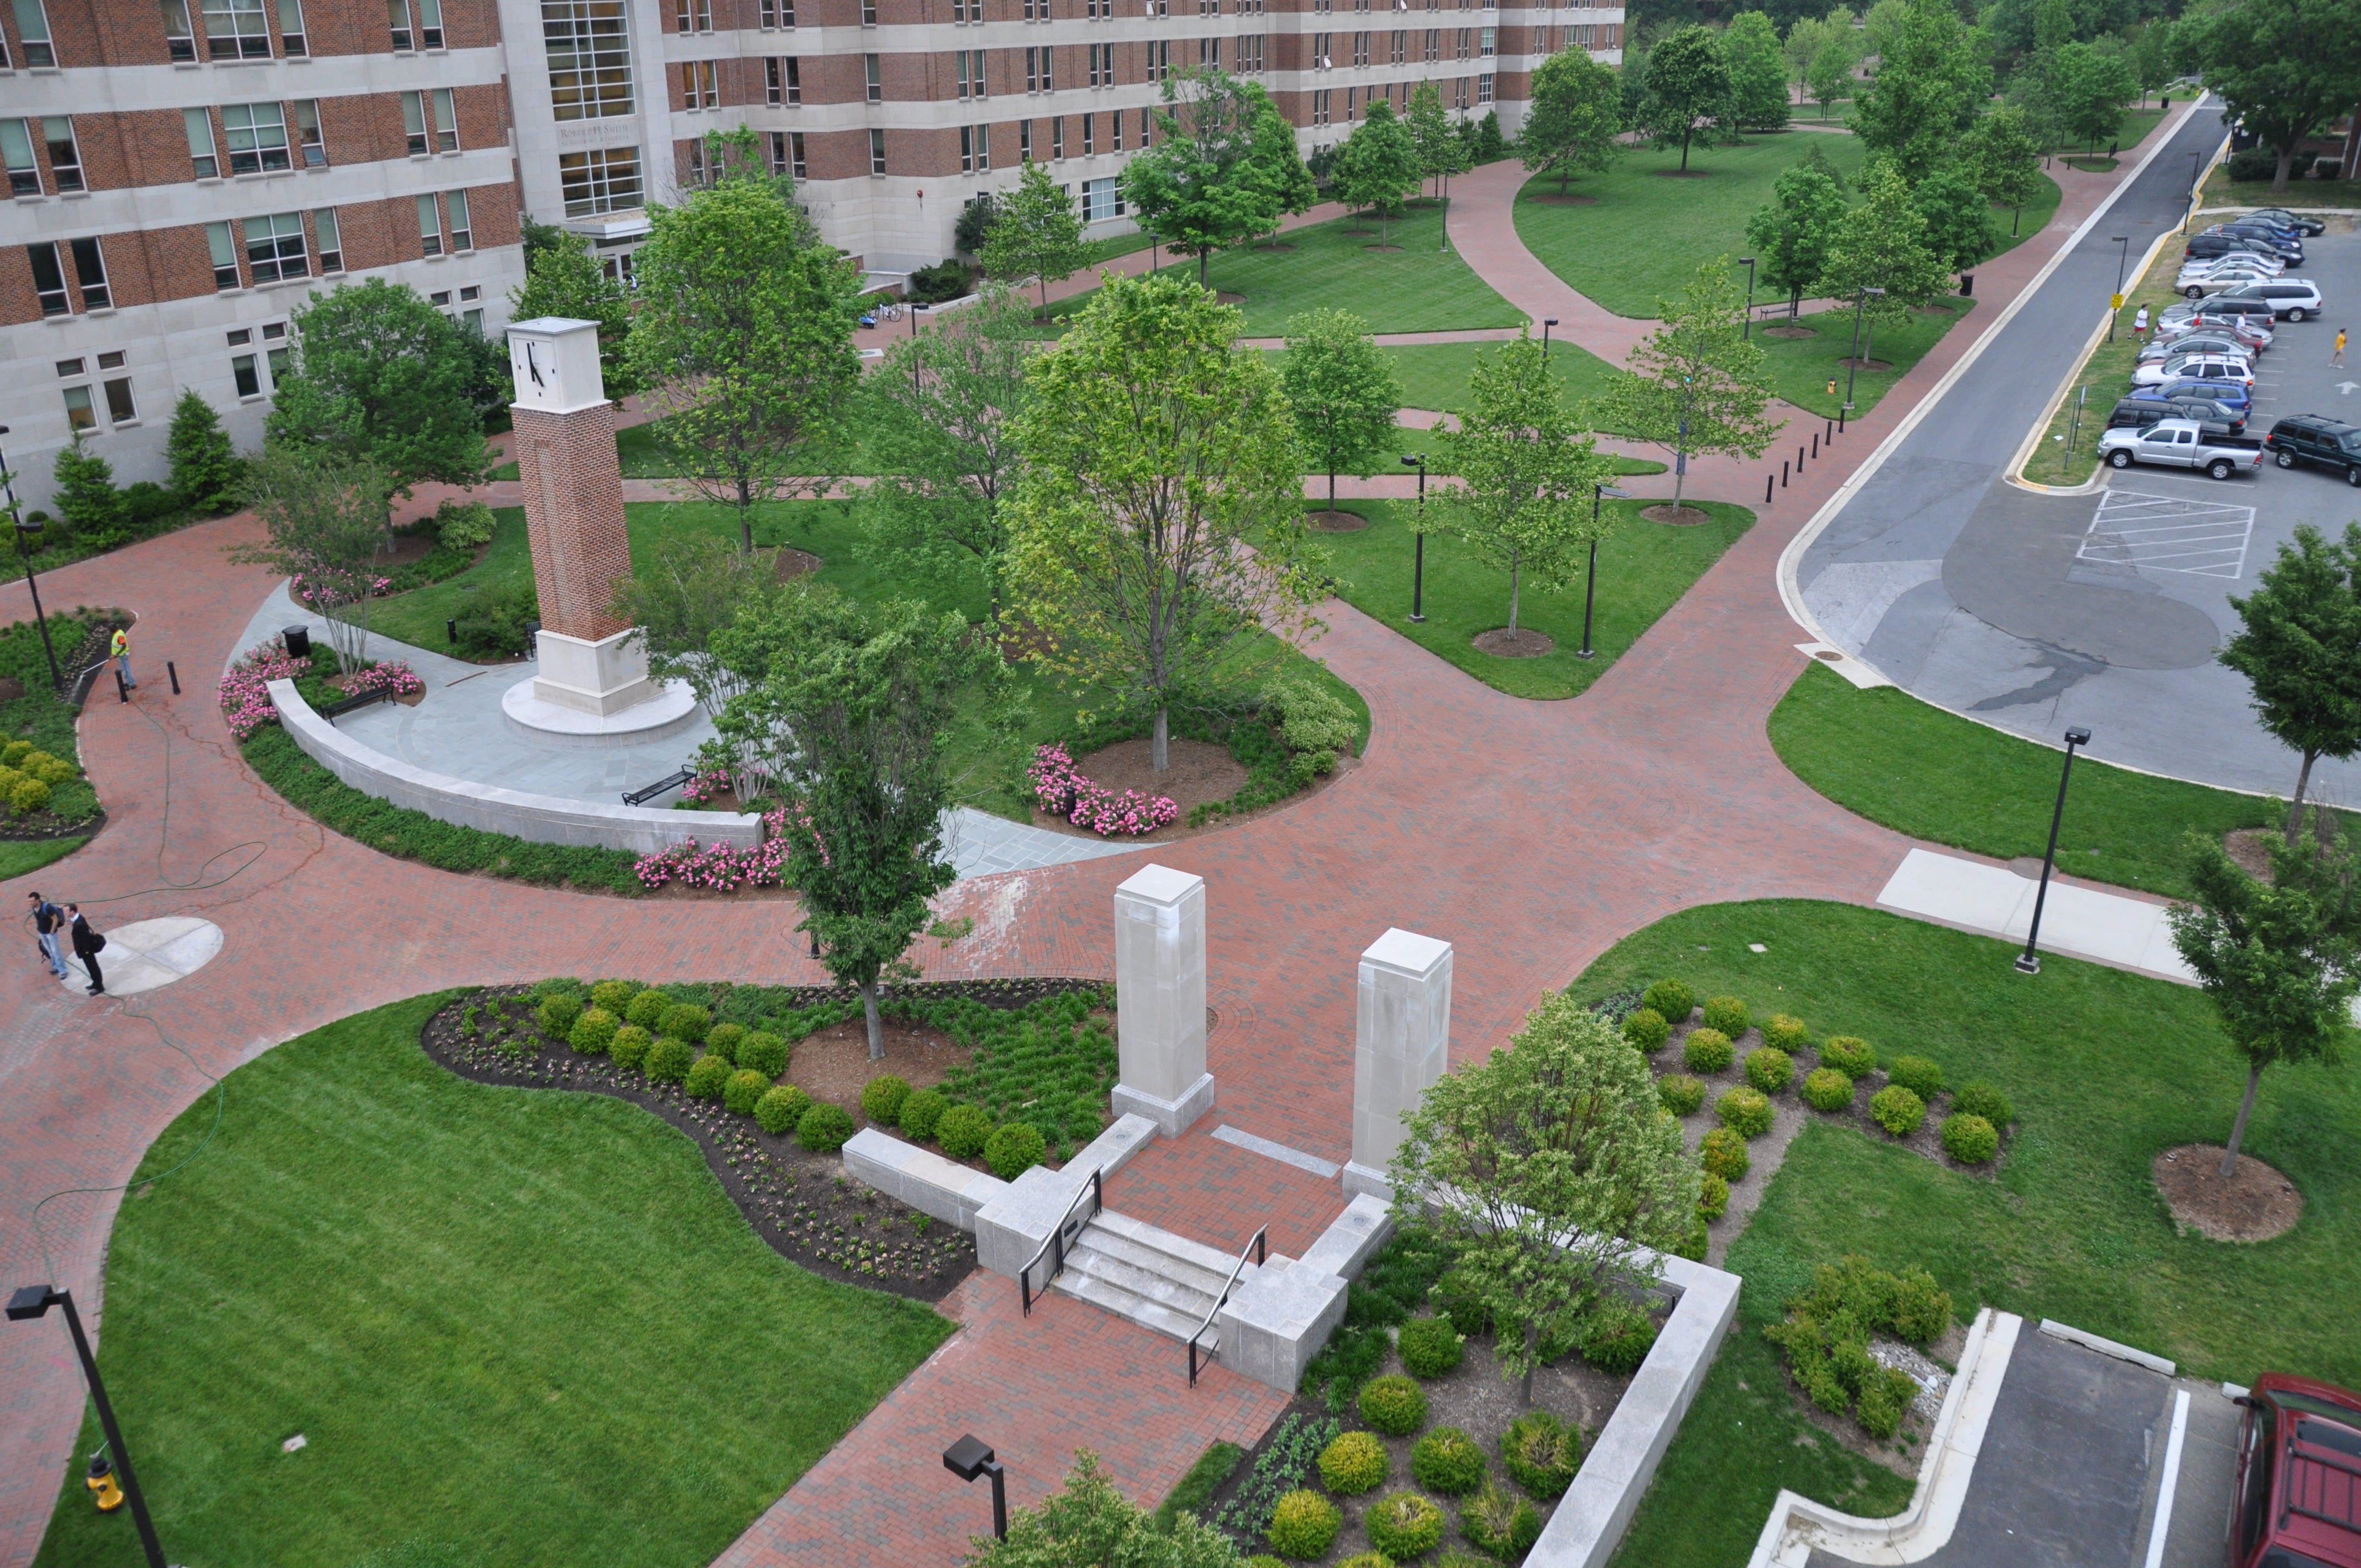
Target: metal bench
[334, 710]
[642, 796]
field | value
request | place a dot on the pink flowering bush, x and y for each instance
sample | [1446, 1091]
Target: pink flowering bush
[706, 786]
[244, 690]
[1062, 790]
[393, 675]
[722, 868]
[342, 588]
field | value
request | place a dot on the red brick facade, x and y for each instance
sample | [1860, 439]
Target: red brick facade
[574, 516]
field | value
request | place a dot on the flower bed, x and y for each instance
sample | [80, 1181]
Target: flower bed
[1063, 791]
[245, 692]
[723, 867]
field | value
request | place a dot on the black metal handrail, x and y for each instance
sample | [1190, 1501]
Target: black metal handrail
[1056, 1244]
[1255, 1246]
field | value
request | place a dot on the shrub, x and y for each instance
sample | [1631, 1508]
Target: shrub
[1744, 1111]
[463, 525]
[14, 752]
[1713, 1198]
[614, 995]
[1726, 1013]
[593, 1032]
[882, 1097]
[1681, 1093]
[2253, 163]
[647, 1010]
[942, 283]
[1827, 1332]
[1850, 1055]
[1922, 1308]
[491, 624]
[1886, 1396]
[1264, 1560]
[1917, 1075]
[1542, 1453]
[1769, 1069]
[1672, 1000]
[1430, 1346]
[1354, 1463]
[1707, 1049]
[1446, 1460]
[1970, 1139]
[707, 1076]
[1647, 1030]
[630, 1046]
[51, 771]
[1361, 1559]
[921, 1114]
[1825, 1089]
[29, 795]
[963, 1130]
[669, 1061]
[556, 1014]
[1405, 1525]
[1314, 726]
[685, 1021]
[824, 1128]
[1304, 1525]
[723, 1039]
[1785, 1032]
[1981, 1099]
[1723, 1152]
[1393, 1405]
[742, 1090]
[1696, 1244]
[1616, 1337]
[762, 1051]
[781, 1107]
[1898, 1110]
[1460, 1305]
[1499, 1523]
[1014, 1149]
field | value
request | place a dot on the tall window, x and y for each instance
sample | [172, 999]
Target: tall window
[49, 279]
[426, 34]
[1102, 57]
[430, 228]
[1433, 44]
[430, 119]
[274, 246]
[874, 77]
[1037, 10]
[235, 29]
[1099, 10]
[290, 28]
[1484, 88]
[700, 84]
[1114, 129]
[90, 271]
[1399, 53]
[1320, 106]
[1461, 41]
[463, 236]
[1320, 55]
[307, 133]
[784, 79]
[693, 15]
[604, 179]
[1024, 141]
[1486, 39]
[80, 416]
[16, 152]
[876, 151]
[966, 11]
[976, 149]
[179, 38]
[1090, 134]
[1251, 57]
[65, 158]
[1459, 93]
[1160, 60]
[1360, 48]
[1058, 137]
[589, 58]
[968, 66]
[1037, 70]
[258, 138]
[331, 244]
[33, 27]
[225, 251]
[778, 13]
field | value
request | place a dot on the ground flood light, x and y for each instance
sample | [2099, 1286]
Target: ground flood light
[2030, 961]
[969, 1458]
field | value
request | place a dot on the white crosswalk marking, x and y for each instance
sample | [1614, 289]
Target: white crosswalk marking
[2168, 533]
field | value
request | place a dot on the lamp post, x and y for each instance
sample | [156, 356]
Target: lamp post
[1547, 323]
[2030, 961]
[2123, 260]
[914, 309]
[969, 1458]
[1860, 305]
[25, 552]
[1418, 567]
[2196, 167]
[1749, 332]
[35, 1301]
[1590, 579]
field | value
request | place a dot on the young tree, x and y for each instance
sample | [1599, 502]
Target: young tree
[1687, 85]
[206, 475]
[848, 706]
[1882, 243]
[685, 588]
[1575, 117]
[1550, 1171]
[1696, 384]
[324, 519]
[1038, 234]
[565, 279]
[2003, 156]
[2299, 645]
[386, 379]
[743, 333]
[86, 500]
[2093, 88]
[1377, 167]
[1958, 226]
[1194, 188]
[2285, 67]
[1288, 187]
[1342, 390]
[1931, 78]
[1439, 152]
[1790, 232]
[1831, 73]
[1803, 41]
[1154, 452]
[2149, 56]
[1092, 1525]
[1757, 70]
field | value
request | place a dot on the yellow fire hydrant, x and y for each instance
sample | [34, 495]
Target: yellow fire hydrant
[101, 1482]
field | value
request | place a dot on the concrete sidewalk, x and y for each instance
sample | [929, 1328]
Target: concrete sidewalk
[2106, 927]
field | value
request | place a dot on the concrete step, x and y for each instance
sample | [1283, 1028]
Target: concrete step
[1141, 1254]
[1103, 1292]
[1212, 1261]
[1149, 1283]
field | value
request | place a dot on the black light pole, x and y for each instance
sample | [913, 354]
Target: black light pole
[1547, 323]
[969, 1458]
[2123, 260]
[2028, 961]
[1590, 580]
[1749, 332]
[1860, 304]
[2196, 167]
[914, 309]
[1418, 568]
[25, 551]
[35, 1301]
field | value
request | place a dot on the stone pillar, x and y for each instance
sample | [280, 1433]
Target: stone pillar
[1401, 1044]
[1159, 982]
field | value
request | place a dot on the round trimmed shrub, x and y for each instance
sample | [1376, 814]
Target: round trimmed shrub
[1499, 1523]
[742, 1090]
[1404, 1525]
[824, 1128]
[1707, 1049]
[1430, 1346]
[1786, 1032]
[882, 1097]
[1617, 1337]
[1769, 1069]
[1981, 1099]
[1542, 1453]
[1713, 1198]
[1367, 1560]
[558, 1013]
[1304, 1525]
[630, 1046]
[1898, 1110]
[1825, 1089]
[1850, 1055]
[1970, 1139]
[51, 771]
[782, 1106]
[1671, 1000]
[1393, 1405]
[759, 1051]
[28, 795]
[1917, 1075]
[1680, 1093]
[1647, 1030]
[593, 1032]
[14, 752]
[1461, 1306]
[614, 995]
[1723, 1152]
[1744, 1111]
[963, 1132]
[647, 1010]
[1354, 1463]
[1694, 1246]
[723, 1040]
[921, 1113]
[685, 1021]
[1446, 1460]
[1264, 1560]
[1726, 1013]
[668, 1061]
[1014, 1150]
[707, 1076]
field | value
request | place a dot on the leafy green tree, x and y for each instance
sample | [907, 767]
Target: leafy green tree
[1377, 167]
[743, 334]
[1342, 390]
[1832, 78]
[207, 478]
[1289, 190]
[2150, 56]
[683, 589]
[1958, 227]
[1881, 26]
[2299, 645]
[2003, 156]
[1155, 527]
[1696, 384]
[1195, 188]
[1882, 243]
[1552, 1173]
[1932, 78]
[1575, 117]
[1687, 84]
[849, 705]
[1038, 234]
[2286, 68]
[563, 279]
[324, 520]
[1790, 232]
[1757, 70]
[1439, 151]
[85, 499]
[386, 379]
[2093, 89]
[1810, 37]
[1092, 1525]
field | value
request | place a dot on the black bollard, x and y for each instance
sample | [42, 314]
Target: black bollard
[1782, 473]
[451, 630]
[175, 676]
[1767, 482]
[1816, 444]
[1841, 414]
[121, 690]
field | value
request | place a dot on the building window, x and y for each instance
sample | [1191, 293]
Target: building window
[291, 30]
[90, 270]
[966, 11]
[868, 13]
[1399, 53]
[1101, 60]
[974, 155]
[870, 72]
[440, 299]
[1037, 10]
[701, 85]
[774, 151]
[778, 13]
[1360, 48]
[1099, 10]
[1102, 200]
[1160, 60]
[876, 152]
[1024, 141]
[1459, 93]
[16, 152]
[473, 320]
[1484, 40]
[1115, 129]
[1253, 55]
[1037, 70]
[80, 416]
[1320, 55]
[430, 229]
[968, 66]
[1090, 134]
[693, 15]
[589, 58]
[1320, 106]
[430, 119]
[331, 244]
[428, 33]
[225, 251]
[307, 133]
[462, 232]
[120, 408]
[697, 180]
[1058, 135]
[1433, 44]
[49, 279]
[274, 247]
[785, 79]
[604, 179]
[65, 158]
[1209, 53]
[258, 138]
[235, 29]
[250, 382]
[179, 38]
[1484, 88]
[33, 27]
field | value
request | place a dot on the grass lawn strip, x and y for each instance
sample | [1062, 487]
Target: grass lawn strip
[1801, 369]
[2107, 374]
[512, 1328]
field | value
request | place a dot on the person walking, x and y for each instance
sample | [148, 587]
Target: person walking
[2337, 358]
[86, 945]
[119, 647]
[47, 918]
[2139, 325]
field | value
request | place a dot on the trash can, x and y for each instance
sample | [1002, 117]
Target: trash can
[1967, 285]
[299, 641]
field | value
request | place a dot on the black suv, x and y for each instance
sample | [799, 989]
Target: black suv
[2138, 413]
[2206, 247]
[2314, 438]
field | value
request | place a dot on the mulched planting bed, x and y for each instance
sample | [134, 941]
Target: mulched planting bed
[2254, 1205]
[1522, 643]
[1678, 516]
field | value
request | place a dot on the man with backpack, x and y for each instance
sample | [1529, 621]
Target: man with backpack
[47, 918]
[86, 946]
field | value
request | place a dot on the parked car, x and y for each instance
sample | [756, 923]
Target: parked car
[2319, 440]
[2268, 241]
[2297, 1499]
[2181, 444]
[2230, 395]
[2138, 413]
[2192, 343]
[2285, 219]
[2223, 306]
[2210, 243]
[2199, 266]
[2241, 318]
[2218, 282]
[2194, 367]
[2292, 298]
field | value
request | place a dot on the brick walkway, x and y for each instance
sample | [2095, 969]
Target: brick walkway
[1531, 835]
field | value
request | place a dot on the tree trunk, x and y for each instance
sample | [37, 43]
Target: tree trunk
[1205, 261]
[876, 1024]
[1045, 296]
[1680, 476]
[745, 517]
[1512, 596]
[1685, 133]
[2295, 810]
[1159, 742]
[2238, 1128]
[1332, 482]
[1533, 1342]
[2280, 177]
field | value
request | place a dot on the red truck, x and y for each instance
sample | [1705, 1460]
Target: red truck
[2297, 1503]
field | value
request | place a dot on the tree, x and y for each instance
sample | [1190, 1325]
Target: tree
[388, 380]
[1958, 226]
[941, 418]
[1757, 70]
[2277, 959]
[1195, 189]
[1551, 1172]
[1038, 234]
[324, 520]
[85, 497]
[1810, 37]
[1155, 451]
[1831, 73]
[1931, 78]
[565, 279]
[2005, 159]
[685, 589]
[1525, 496]
[1342, 390]
[1289, 190]
[2150, 56]
[743, 333]
[1790, 232]
[1575, 117]
[1687, 84]
[1092, 1525]
[1882, 243]
[2093, 88]
[848, 706]
[2285, 67]
[1439, 152]
[1695, 384]
[1377, 167]
[206, 475]
[2299, 645]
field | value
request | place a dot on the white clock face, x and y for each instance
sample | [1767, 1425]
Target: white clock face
[533, 374]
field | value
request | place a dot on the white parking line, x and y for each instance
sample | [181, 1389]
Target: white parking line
[2163, 1524]
[2168, 533]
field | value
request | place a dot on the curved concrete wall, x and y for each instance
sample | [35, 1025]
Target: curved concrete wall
[542, 818]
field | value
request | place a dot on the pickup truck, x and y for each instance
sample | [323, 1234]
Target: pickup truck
[2181, 444]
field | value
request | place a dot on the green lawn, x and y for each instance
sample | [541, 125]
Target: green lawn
[1801, 367]
[2220, 190]
[512, 1326]
[1934, 775]
[1435, 375]
[18, 856]
[643, 459]
[1644, 569]
[2106, 1070]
